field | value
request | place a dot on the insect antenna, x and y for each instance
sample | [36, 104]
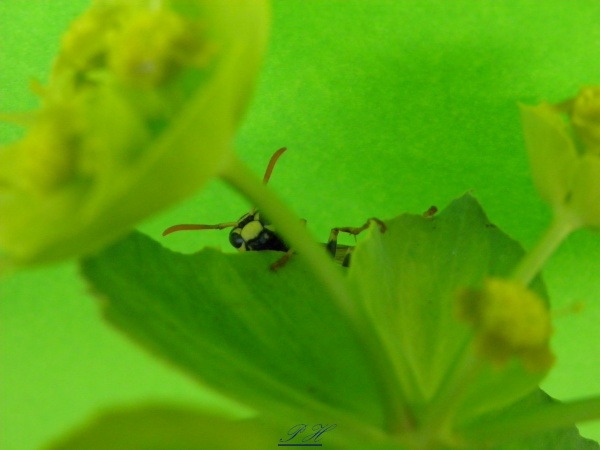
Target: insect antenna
[272, 163]
[270, 168]
[193, 227]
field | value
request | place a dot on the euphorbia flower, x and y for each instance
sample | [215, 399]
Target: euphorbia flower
[509, 321]
[139, 111]
[563, 142]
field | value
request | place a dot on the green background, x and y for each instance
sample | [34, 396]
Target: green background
[386, 106]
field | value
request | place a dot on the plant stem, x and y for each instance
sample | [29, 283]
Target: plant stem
[516, 425]
[560, 227]
[296, 235]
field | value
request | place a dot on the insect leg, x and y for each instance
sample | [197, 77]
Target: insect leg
[430, 212]
[355, 231]
[286, 256]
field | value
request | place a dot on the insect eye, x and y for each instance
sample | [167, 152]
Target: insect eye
[235, 239]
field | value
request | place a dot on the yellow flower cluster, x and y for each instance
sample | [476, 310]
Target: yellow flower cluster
[109, 46]
[153, 47]
[48, 152]
[141, 48]
[509, 321]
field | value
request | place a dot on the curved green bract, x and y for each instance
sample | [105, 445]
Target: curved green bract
[140, 111]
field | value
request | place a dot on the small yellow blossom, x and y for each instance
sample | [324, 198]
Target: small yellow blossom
[509, 321]
[49, 151]
[154, 46]
[83, 46]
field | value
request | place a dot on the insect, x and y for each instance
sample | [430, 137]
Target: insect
[253, 232]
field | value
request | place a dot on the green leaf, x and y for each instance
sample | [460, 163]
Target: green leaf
[558, 439]
[162, 427]
[153, 427]
[273, 340]
[408, 278]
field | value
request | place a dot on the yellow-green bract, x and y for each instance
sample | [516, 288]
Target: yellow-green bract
[139, 111]
[563, 143]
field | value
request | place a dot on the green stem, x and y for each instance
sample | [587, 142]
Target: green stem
[562, 225]
[296, 235]
[517, 425]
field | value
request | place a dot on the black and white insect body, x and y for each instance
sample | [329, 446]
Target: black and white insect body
[255, 233]
[252, 232]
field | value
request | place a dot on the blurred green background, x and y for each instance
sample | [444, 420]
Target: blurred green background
[386, 106]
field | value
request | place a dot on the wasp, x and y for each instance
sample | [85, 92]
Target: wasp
[254, 232]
